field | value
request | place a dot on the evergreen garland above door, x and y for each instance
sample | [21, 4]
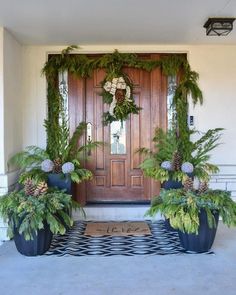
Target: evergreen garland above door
[117, 87]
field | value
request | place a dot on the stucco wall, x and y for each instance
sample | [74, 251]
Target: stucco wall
[11, 103]
[11, 136]
[13, 71]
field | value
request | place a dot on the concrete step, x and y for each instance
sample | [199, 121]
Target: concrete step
[114, 212]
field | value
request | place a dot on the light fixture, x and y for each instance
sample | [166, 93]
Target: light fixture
[219, 26]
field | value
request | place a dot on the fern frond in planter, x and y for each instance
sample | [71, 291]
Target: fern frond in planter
[195, 153]
[199, 153]
[165, 145]
[31, 157]
[36, 162]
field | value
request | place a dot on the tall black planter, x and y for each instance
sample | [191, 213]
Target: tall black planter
[203, 241]
[60, 181]
[38, 246]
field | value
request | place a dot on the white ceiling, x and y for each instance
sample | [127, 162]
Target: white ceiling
[59, 22]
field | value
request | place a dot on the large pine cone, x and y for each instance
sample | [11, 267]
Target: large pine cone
[203, 187]
[177, 161]
[188, 184]
[29, 187]
[120, 95]
[41, 188]
[57, 166]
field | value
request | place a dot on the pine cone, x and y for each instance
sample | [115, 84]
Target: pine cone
[29, 187]
[203, 187]
[120, 96]
[188, 184]
[176, 162]
[41, 188]
[57, 165]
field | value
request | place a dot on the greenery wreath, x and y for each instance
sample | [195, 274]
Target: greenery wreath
[118, 93]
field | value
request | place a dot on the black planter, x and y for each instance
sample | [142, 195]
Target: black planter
[168, 226]
[171, 184]
[38, 246]
[203, 241]
[60, 181]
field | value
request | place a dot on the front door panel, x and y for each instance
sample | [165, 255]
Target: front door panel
[117, 177]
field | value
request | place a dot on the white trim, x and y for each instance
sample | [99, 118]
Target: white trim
[8, 180]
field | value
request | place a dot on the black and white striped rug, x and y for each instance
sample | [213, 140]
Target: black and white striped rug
[75, 243]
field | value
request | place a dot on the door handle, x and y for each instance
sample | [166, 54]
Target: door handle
[89, 136]
[89, 132]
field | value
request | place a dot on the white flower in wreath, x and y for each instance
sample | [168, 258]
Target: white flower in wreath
[121, 80]
[107, 86]
[113, 90]
[114, 85]
[115, 81]
[121, 85]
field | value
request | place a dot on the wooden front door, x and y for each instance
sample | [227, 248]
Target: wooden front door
[117, 177]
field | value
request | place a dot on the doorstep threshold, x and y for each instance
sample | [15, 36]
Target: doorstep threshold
[117, 204]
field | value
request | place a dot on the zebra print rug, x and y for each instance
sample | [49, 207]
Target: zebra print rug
[75, 243]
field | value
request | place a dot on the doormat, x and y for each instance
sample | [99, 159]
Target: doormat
[98, 229]
[76, 243]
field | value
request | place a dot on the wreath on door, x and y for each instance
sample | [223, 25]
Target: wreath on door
[117, 92]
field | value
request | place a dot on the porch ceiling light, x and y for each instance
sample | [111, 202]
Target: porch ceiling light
[219, 26]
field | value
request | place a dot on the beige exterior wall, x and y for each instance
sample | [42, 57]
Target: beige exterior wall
[12, 96]
[11, 136]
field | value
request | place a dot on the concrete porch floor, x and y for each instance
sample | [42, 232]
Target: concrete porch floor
[186, 274]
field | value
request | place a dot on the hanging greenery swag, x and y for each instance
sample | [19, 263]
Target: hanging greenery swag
[121, 102]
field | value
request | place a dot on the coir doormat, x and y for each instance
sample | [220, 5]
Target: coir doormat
[76, 243]
[97, 229]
